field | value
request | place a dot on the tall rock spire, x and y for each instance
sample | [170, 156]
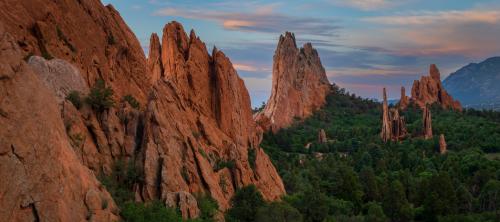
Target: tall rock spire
[300, 85]
[155, 66]
[427, 122]
[403, 101]
[442, 144]
[386, 133]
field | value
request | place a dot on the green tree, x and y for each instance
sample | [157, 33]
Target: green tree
[100, 97]
[278, 212]
[375, 213]
[244, 204]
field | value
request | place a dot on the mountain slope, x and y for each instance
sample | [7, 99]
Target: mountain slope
[476, 85]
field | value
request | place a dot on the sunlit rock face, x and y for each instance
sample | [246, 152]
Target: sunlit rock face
[299, 87]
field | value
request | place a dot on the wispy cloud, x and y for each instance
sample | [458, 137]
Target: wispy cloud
[261, 19]
[429, 18]
[366, 5]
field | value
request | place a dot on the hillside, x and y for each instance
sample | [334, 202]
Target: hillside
[355, 176]
[476, 85]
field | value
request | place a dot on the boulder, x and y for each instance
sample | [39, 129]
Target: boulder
[322, 136]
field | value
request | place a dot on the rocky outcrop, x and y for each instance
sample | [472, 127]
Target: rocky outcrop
[386, 133]
[322, 136]
[398, 126]
[442, 144]
[393, 125]
[427, 122]
[192, 133]
[430, 90]
[154, 59]
[42, 178]
[299, 87]
[404, 101]
[199, 135]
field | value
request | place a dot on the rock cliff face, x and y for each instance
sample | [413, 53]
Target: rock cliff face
[430, 90]
[299, 87]
[194, 115]
[404, 101]
[198, 118]
[42, 178]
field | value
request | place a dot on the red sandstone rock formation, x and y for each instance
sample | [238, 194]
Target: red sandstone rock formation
[197, 119]
[404, 101]
[386, 133]
[42, 178]
[429, 90]
[322, 136]
[427, 122]
[393, 125]
[300, 85]
[442, 144]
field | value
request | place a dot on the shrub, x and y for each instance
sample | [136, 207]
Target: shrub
[208, 208]
[221, 164]
[75, 98]
[154, 211]
[131, 101]
[245, 204]
[100, 97]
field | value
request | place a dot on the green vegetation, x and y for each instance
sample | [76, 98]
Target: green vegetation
[132, 101]
[63, 37]
[359, 178]
[100, 97]
[221, 164]
[75, 98]
[155, 211]
[252, 157]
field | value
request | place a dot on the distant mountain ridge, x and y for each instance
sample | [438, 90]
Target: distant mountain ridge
[476, 85]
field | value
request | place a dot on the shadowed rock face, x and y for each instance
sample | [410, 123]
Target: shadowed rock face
[194, 116]
[299, 87]
[42, 177]
[430, 90]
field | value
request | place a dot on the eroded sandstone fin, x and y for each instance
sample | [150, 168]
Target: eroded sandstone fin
[299, 87]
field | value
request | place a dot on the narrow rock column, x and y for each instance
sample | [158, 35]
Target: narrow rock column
[386, 120]
[442, 145]
[403, 102]
[322, 136]
[427, 122]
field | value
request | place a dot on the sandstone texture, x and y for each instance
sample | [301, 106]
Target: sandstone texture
[430, 90]
[404, 101]
[192, 132]
[42, 178]
[299, 87]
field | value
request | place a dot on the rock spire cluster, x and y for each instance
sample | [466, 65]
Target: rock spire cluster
[430, 90]
[393, 125]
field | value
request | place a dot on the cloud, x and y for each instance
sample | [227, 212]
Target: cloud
[429, 18]
[262, 19]
[366, 5]
[471, 33]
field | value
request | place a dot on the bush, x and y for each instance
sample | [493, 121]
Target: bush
[132, 101]
[245, 203]
[154, 211]
[100, 97]
[75, 98]
[278, 212]
[208, 208]
[251, 157]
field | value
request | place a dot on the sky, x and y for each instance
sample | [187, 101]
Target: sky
[364, 45]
